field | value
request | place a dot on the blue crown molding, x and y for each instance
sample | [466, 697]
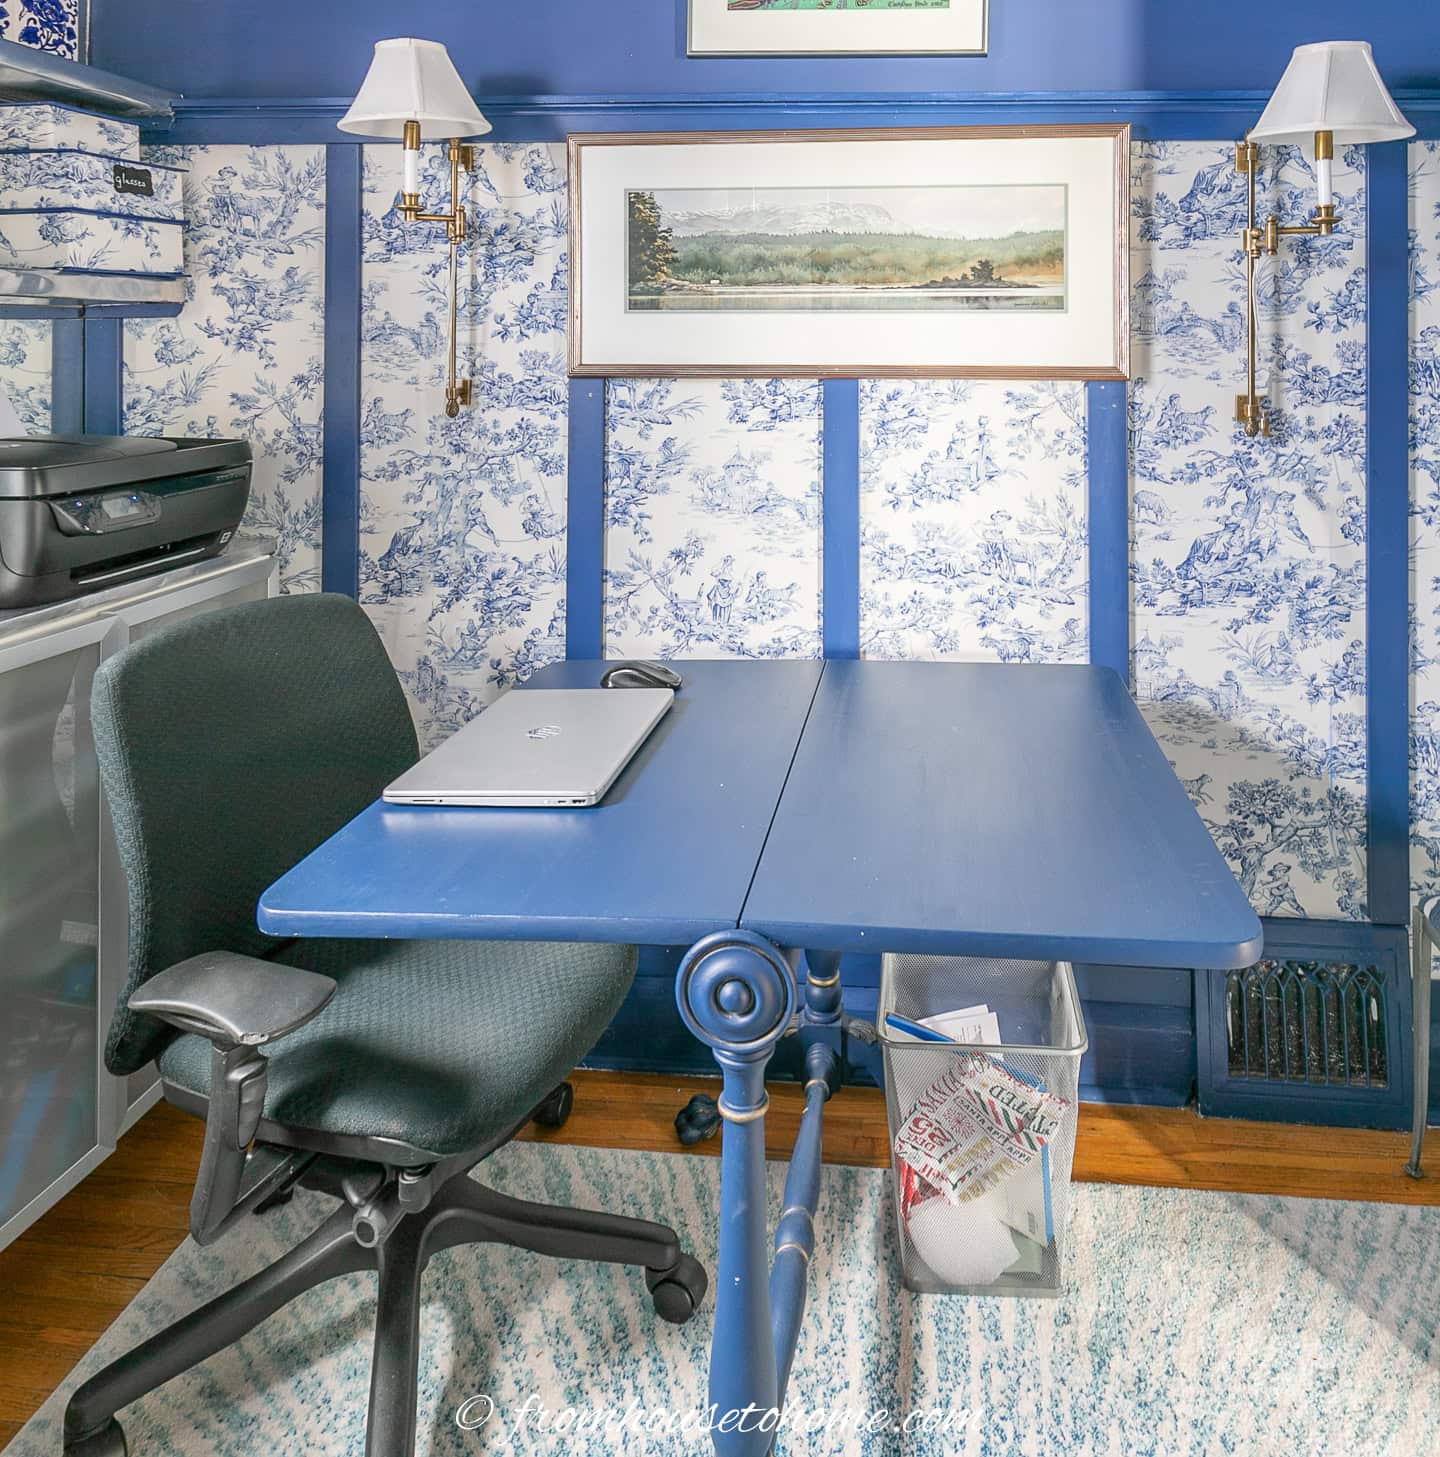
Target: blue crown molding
[1155, 115]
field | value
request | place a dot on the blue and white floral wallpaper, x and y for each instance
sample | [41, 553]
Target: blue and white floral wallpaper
[54, 26]
[462, 522]
[245, 357]
[1248, 571]
[1249, 556]
[1425, 516]
[45, 25]
[25, 349]
[972, 521]
[712, 518]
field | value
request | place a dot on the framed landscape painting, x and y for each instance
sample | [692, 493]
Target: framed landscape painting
[963, 251]
[837, 27]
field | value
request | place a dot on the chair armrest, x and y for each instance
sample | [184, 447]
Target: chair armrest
[237, 1001]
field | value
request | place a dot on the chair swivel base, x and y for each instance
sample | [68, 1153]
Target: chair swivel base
[461, 1212]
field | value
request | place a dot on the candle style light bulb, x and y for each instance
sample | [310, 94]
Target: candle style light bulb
[410, 161]
[1324, 149]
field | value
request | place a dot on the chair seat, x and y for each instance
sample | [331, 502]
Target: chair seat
[440, 1046]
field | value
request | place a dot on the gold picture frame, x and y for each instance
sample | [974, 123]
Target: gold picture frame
[643, 303]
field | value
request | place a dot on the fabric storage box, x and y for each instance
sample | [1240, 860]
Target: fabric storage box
[982, 1071]
[74, 211]
[32, 125]
[69, 240]
[44, 180]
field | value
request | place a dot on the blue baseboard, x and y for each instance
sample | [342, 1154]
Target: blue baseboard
[1141, 1026]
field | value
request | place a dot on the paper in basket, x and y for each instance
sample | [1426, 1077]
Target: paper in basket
[975, 1126]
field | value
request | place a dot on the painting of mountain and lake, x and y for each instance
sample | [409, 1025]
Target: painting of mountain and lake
[803, 249]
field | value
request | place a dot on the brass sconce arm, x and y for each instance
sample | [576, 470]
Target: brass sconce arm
[458, 392]
[1262, 240]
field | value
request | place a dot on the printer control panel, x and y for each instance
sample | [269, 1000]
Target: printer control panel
[105, 511]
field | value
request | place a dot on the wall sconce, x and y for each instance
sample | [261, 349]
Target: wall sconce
[1330, 92]
[412, 92]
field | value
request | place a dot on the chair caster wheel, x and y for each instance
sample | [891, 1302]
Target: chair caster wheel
[554, 1109]
[699, 1119]
[106, 1441]
[678, 1291]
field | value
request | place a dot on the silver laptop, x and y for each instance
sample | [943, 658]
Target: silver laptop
[540, 747]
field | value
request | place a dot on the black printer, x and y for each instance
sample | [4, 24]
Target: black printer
[80, 512]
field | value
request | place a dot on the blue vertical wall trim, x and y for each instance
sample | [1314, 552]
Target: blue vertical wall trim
[585, 521]
[1388, 534]
[1108, 467]
[840, 508]
[104, 403]
[340, 489]
[67, 377]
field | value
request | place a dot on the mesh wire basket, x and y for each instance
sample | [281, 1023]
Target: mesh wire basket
[966, 1247]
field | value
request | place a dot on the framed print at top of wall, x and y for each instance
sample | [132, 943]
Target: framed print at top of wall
[837, 27]
[978, 252]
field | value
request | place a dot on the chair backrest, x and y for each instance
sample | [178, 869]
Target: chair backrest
[230, 745]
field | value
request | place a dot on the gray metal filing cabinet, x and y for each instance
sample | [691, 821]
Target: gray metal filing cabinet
[63, 931]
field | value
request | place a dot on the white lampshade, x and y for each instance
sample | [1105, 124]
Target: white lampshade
[1331, 86]
[413, 80]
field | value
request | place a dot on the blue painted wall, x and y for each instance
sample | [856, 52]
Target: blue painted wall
[268, 48]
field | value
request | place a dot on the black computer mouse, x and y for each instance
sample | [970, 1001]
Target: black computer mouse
[639, 674]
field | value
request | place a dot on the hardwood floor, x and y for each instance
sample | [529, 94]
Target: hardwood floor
[73, 1272]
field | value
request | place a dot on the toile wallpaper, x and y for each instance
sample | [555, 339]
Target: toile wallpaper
[1248, 561]
[245, 357]
[462, 522]
[712, 518]
[25, 350]
[45, 25]
[1248, 571]
[972, 521]
[53, 26]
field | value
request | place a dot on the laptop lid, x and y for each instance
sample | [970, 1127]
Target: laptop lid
[544, 747]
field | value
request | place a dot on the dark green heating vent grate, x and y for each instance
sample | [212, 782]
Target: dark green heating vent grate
[1316, 1022]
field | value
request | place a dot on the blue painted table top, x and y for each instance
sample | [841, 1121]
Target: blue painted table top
[993, 810]
[970, 808]
[664, 859]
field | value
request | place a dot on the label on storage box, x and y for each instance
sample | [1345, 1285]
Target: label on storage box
[137, 181]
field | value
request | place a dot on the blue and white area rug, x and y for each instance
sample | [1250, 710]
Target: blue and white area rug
[1192, 1323]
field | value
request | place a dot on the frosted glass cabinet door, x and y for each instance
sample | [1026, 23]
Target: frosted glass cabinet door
[50, 1019]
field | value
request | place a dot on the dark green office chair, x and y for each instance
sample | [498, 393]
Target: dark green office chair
[379, 1072]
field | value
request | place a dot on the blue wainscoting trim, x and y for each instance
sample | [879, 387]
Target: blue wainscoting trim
[104, 407]
[1155, 115]
[1140, 1022]
[1108, 471]
[67, 377]
[840, 498]
[585, 522]
[1387, 426]
[340, 488]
